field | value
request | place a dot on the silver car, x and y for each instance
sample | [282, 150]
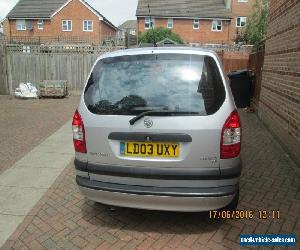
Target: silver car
[157, 128]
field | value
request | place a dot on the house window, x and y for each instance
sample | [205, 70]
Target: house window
[170, 23]
[149, 23]
[29, 25]
[87, 25]
[241, 21]
[196, 24]
[40, 24]
[66, 25]
[21, 25]
[242, 1]
[216, 25]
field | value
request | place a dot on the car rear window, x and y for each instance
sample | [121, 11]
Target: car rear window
[129, 85]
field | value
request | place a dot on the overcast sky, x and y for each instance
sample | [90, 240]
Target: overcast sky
[117, 11]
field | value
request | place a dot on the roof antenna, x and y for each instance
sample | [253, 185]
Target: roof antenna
[153, 41]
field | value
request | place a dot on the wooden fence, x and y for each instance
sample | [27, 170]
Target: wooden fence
[256, 62]
[59, 40]
[233, 61]
[35, 63]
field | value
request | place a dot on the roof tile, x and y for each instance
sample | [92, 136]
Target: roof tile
[129, 24]
[183, 8]
[35, 8]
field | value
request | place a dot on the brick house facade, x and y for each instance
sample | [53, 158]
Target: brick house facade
[184, 27]
[196, 20]
[279, 104]
[73, 18]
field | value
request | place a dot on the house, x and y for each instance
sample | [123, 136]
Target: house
[196, 21]
[128, 27]
[59, 19]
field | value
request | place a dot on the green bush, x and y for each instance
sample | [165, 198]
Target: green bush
[158, 34]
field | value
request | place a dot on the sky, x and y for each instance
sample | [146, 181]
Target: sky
[116, 11]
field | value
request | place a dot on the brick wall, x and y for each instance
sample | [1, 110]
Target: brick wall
[107, 31]
[279, 105]
[184, 27]
[12, 31]
[75, 11]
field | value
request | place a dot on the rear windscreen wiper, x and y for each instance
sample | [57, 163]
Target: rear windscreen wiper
[160, 113]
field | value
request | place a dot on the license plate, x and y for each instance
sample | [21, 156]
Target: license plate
[150, 149]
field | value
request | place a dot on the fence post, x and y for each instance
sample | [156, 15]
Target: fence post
[8, 70]
[3, 71]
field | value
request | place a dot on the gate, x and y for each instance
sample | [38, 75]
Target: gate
[256, 62]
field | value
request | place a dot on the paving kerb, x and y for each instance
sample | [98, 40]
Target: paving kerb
[25, 183]
[8, 224]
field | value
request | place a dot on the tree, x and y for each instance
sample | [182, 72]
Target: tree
[158, 34]
[256, 27]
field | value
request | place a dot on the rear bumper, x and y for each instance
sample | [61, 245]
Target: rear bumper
[186, 190]
[157, 198]
[161, 173]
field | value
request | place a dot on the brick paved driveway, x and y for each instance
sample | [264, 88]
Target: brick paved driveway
[64, 219]
[25, 123]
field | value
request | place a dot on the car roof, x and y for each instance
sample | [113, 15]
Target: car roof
[158, 50]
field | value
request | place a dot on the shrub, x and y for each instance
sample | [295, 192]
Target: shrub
[158, 34]
[256, 27]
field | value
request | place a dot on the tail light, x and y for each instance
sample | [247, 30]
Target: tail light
[231, 137]
[78, 133]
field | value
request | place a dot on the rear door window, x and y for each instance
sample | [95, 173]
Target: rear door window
[129, 85]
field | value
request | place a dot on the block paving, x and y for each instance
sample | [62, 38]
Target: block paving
[24, 124]
[64, 219]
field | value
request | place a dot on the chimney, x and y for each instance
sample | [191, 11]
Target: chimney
[227, 4]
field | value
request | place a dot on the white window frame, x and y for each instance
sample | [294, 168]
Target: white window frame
[196, 24]
[238, 24]
[215, 27]
[40, 24]
[170, 23]
[149, 23]
[21, 25]
[65, 23]
[242, 1]
[86, 27]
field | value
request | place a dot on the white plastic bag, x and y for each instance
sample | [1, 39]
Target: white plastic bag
[26, 90]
